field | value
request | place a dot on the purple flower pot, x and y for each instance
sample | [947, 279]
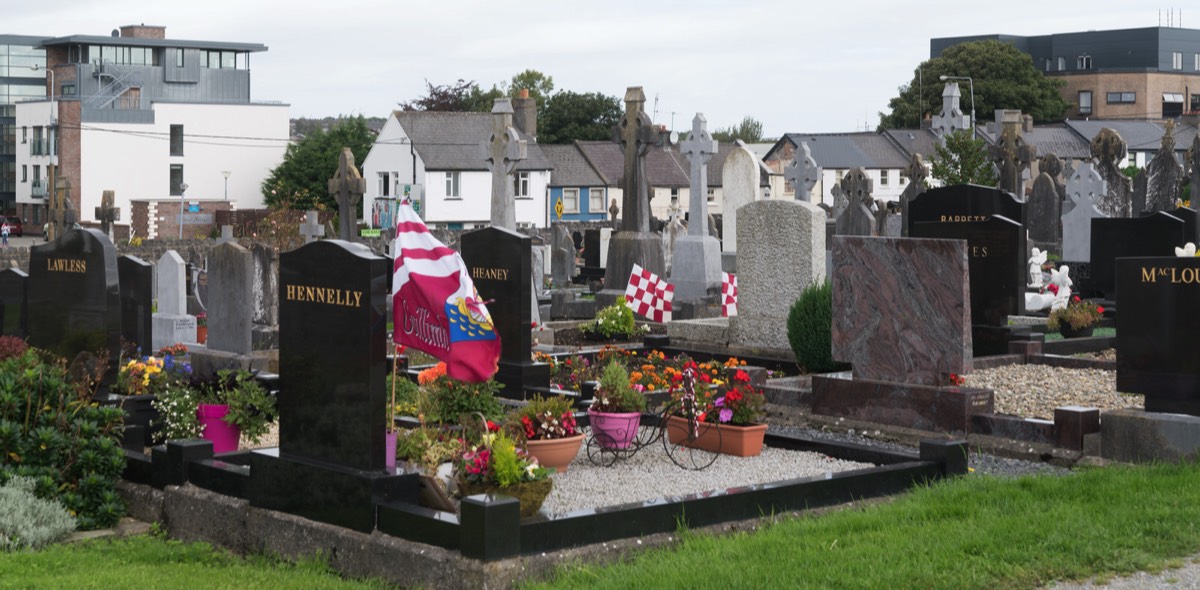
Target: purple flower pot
[223, 435]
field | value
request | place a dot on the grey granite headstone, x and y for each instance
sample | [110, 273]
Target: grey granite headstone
[740, 177]
[781, 253]
[803, 172]
[696, 272]
[1085, 188]
[1163, 175]
[562, 257]
[265, 290]
[231, 302]
[502, 150]
[857, 219]
[1109, 149]
[1044, 210]
[172, 281]
[916, 173]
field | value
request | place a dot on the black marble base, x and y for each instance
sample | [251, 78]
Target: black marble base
[326, 493]
[993, 340]
[516, 377]
[936, 409]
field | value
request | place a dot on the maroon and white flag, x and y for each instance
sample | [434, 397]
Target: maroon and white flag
[649, 296]
[729, 293]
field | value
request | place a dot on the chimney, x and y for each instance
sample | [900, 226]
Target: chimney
[144, 31]
[1026, 122]
[664, 136]
[525, 114]
[927, 121]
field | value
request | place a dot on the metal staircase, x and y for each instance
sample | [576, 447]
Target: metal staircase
[114, 82]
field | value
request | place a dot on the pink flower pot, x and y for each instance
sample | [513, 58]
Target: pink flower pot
[389, 449]
[223, 435]
[614, 431]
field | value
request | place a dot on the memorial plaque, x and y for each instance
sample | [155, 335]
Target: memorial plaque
[499, 261]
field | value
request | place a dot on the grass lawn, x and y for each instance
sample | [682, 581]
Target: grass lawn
[1096, 333]
[974, 532]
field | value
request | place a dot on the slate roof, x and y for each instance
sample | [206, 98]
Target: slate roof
[913, 141]
[1138, 135]
[716, 165]
[849, 150]
[570, 167]
[663, 169]
[1057, 139]
[450, 140]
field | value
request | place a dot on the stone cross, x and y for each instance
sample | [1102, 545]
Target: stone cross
[803, 172]
[916, 172]
[1085, 188]
[312, 229]
[613, 211]
[1109, 149]
[1013, 157]
[347, 186]
[698, 148]
[857, 219]
[106, 213]
[951, 118]
[502, 150]
[1193, 162]
[637, 134]
[1163, 176]
[61, 214]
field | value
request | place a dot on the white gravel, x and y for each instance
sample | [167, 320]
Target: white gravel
[650, 474]
[1033, 391]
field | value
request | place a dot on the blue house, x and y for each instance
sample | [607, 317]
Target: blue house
[578, 191]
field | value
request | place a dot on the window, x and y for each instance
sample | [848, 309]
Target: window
[595, 200]
[37, 174]
[176, 180]
[1085, 102]
[712, 195]
[179, 58]
[452, 185]
[1177, 60]
[384, 186]
[68, 90]
[24, 135]
[883, 177]
[521, 186]
[1172, 104]
[176, 140]
[570, 200]
[1083, 62]
[1121, 97]
[1062, 63]
[24, 173]
[674, 195]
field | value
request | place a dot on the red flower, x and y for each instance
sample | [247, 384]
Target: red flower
[732, 396]
[1099, 309]
[1052, 288]
[705, 377]
[492, 426]
[742, 376]
[1075, 298]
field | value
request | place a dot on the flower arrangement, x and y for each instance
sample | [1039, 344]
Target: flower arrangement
[202, 320]
[251, 409]
[724, 394]
[497, 462]
[1078, 315]
[614, 321]
[544, 419]
[443, 399]
[150, 375]
[173, 350]
[615, 394]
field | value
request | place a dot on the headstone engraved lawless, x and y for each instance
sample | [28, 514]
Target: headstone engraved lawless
[696, 272]
[502, 151]
[347, 186]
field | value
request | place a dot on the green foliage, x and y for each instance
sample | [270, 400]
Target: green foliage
[401, 401]
[176, 407]
[750, 130]
[963, 160]
[27, 521]
[568, 116]
[1131, 171]
[539, 85]
[543, 419]
[810, 329]
[1004, 76]
[251, 408]
[506, 466]
[614, 321]
[427, 448]
[615, 394]
[447, 400]
[51, 431]
[301, 181]
[1078, 314]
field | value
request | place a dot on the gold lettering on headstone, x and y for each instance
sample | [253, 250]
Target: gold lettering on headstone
[979, 252]
[961, 218]
[323, 295]
[66, 265]
[493, 274]
[1148, 275]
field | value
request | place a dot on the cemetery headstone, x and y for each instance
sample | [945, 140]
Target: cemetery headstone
[1085, 188]
[1141, 185]
[951, 118]
[75, 297]
[14, 292]
[1156, 347]
[172, 323]
[696, 273]
[857, 219]
[1012, 156]
[347, 187]
[311, 229]
[333, 300]
[740, 177]
[502, 150]
[264, 291]
[562, 257]
[1153, 235]
[1191, 223]
[781, 252]
[802, 173]
[107, 213]
[964, 202]
[1163, 174]
[1052, 166]
[997, 258]
[916, 173]
[137, 301]
[1109, 150]
[1045, 213]
[231, 305]
[1193, 162]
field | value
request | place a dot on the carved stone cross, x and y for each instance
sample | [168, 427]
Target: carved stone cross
[916, 172]
[106, 213]
[502, 150]
[803, 172]
[347, 186]
[1012, 155]
[311, 229]
[698, 148]
[637, 134]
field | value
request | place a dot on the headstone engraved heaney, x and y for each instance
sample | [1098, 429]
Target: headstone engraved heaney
[347, 186]
[696, 272]
[502, 151]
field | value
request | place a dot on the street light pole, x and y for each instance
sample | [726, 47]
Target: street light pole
[971, 83]
[226, 174]
[182, 189]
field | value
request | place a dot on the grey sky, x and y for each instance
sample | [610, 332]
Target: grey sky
[797, 66]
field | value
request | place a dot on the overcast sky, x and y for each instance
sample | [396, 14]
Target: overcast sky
[795, 65]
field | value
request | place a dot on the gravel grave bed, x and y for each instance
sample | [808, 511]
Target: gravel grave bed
[1033, 391]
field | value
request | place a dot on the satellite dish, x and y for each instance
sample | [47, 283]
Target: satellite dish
[674, 137]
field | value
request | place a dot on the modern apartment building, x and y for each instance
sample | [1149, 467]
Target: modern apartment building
[1148, 73]
[19, 80]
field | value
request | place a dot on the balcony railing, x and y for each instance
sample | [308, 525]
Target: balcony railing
[38, 189]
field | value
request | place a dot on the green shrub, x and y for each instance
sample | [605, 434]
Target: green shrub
[810, 330]
[615, 394]
[614, 321]
[27, 521]
[52, 432]
[447, 400]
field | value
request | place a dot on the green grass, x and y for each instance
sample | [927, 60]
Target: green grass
[974, 532]
[1095, 333]
[149, 562]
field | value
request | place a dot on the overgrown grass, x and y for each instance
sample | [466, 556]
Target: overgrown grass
[975, 532]
[148, 562]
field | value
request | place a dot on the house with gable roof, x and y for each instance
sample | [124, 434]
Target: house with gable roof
[575, 183]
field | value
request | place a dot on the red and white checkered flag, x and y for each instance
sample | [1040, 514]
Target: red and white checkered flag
[649, 296]
[729, 293]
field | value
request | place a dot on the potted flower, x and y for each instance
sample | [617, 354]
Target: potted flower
[202, 327]
[402, 400]
[497, 466]
[726, 400]
[224, 406]
[447, 400]
[1077, 319]
[549, 430]
[617, 410]
[614, 322]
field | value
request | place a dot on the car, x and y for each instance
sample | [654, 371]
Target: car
[15, 229]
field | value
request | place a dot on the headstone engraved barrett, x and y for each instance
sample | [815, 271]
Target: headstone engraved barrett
[498, 260]
[964, 202]
[137, 301]
[1085, 188]
[172, 323]
[75, 297]
[347, 187]
[502, 151]
[333, 300]
[1153, 235]
[696, 272]
[1156, 346]
[14, 293]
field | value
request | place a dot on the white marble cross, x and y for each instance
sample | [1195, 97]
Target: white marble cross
[803, 172]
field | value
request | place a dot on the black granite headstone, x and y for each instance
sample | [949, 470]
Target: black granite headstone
[1191, 223]
[332, 364]
[75, 297]
[1112, 238]
[996, 250]
[137, 301]
[14, 289]
[1156, 337]
[964, 203]
[591, 248]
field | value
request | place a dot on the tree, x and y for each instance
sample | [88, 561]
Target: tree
[1004, 76]
[749, 130]
[539, 85]
[461, 96]
[570, 115]
[963, 160]
[301, 181]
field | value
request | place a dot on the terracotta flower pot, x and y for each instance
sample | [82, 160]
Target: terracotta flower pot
[739, 441]
[201, 334]
[614, 431]
[555, 452]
